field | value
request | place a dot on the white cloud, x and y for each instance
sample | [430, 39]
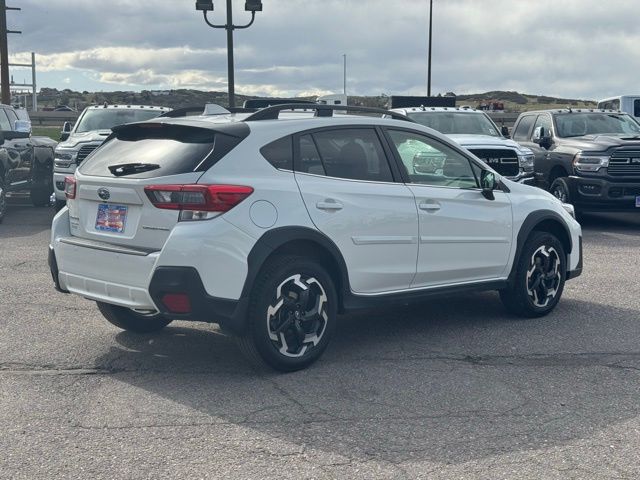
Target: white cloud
[571, 48]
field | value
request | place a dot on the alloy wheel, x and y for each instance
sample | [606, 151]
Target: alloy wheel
[543, 277]
[297, 320]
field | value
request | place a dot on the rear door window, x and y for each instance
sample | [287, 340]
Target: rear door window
[350, 153]
[636, 108]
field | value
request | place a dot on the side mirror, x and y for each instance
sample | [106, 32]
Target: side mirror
[66, 131]
[22, 126]
[505, 131]
[542, 137]
[488, 183]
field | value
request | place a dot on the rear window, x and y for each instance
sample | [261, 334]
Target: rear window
[172, 156]
[174, 149]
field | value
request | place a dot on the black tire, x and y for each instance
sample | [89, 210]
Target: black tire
[282, 333]
[560, 189]
[3, 200]
[539, 277]
[59, 205]
[131, 321]
[41, 196]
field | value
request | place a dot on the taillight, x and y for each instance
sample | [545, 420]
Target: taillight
[70, 187]
[197, 202]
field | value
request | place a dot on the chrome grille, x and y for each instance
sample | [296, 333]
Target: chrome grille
[503, 161]
[625, 163]
[85, 151]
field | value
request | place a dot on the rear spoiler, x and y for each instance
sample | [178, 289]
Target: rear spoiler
[207, 109]
[181, 130]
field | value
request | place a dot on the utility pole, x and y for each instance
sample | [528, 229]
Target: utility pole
[344, 90]
[4, 53]
[430, 37]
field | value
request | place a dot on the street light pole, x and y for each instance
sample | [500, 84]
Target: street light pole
[430, 37]
[252, 6]
[344, 90]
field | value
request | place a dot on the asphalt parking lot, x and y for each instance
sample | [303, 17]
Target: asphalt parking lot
[452, 388]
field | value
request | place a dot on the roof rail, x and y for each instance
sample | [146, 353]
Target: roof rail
[272, 113]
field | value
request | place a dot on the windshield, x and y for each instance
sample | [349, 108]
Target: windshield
[579, 124]
[106, 119]
[456, 122]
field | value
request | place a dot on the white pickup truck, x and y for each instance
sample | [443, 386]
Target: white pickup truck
[475, 131]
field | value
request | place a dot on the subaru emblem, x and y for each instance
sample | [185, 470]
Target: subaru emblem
[104, 194]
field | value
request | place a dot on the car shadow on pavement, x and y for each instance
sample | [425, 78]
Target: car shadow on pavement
[450, 380]
[621, 222]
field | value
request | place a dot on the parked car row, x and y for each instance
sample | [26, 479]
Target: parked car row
[273, 222]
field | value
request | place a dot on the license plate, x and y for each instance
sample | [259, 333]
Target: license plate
[637, 202]
[111, 218]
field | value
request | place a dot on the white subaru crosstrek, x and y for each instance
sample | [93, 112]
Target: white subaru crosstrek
[273, 226]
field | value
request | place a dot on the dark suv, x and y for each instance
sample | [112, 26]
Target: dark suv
[590, 158]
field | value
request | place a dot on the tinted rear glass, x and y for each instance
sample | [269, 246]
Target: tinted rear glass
[636, 108]
[279, 153]
[174, 150]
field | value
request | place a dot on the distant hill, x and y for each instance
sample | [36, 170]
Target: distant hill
[513, 101]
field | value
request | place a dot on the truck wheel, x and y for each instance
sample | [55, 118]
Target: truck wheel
[291, 316]
[40, 196]
[539, 277]
[132, 321]
[560, 190]
[3, 200]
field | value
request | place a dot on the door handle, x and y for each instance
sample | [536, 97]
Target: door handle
[429, 206]
[329, 204]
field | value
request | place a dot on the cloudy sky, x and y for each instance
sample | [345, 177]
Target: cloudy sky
[570, 48]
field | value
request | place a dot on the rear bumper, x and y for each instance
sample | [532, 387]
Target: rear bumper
[204, 307]
[139, 279]
[597, 194]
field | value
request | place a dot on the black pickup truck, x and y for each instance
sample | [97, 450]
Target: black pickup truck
[26, 162]
[589, 158]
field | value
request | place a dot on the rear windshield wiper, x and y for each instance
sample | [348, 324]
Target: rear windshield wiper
[130, 168]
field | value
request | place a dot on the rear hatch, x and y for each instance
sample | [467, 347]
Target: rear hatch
[111, 204]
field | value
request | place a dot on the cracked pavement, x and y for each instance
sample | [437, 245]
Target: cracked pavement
[450, 388]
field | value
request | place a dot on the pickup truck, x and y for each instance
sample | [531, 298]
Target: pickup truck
[475, 131]
[26, 162]
[587, 157]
